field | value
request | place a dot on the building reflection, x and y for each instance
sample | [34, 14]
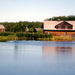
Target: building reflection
[64, 50]
[54, 50]
[47, 52]
[58, 52]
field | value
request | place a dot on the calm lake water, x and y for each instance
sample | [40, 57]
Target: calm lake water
[37, 58]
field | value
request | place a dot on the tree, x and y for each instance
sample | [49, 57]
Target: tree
[64, 18]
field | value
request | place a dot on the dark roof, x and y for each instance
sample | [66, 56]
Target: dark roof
[63, 25]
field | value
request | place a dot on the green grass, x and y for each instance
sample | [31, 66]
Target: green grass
[23, 36]
[62, 38]
[7, 36]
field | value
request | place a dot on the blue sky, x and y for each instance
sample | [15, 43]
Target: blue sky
[34, 10]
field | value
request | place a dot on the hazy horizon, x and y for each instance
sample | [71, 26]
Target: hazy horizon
[34, 10]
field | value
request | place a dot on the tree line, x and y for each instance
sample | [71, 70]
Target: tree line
[21, 26]
[62, 18]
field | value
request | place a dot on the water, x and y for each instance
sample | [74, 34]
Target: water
[37, 58]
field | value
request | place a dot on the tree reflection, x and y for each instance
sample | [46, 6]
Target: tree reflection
[16, 49]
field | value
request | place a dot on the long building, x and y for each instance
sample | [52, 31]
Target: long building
[59, 27]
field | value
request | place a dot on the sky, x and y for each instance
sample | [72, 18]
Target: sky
[34, 10]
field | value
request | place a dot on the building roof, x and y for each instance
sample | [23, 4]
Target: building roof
[64, 25]
[50, 25]
[38, 29]
[2, 27]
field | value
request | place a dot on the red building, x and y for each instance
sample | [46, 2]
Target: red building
[59, 27]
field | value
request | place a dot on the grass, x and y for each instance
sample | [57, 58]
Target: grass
[7, 36]
[62, 38]
[23, 36]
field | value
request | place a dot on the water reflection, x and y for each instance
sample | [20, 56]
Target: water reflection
[23, 50]
[47, 52]
[16, 50]
[64, 51]
[63, 54]
[37, 58]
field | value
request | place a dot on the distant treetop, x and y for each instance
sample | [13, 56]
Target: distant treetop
[62, 18]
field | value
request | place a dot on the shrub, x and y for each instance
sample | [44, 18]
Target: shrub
[6, 33]
[33, 35]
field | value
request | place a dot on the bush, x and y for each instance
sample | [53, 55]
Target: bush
[33, 35]
[6, 33]
[20, 34]
[23, 36]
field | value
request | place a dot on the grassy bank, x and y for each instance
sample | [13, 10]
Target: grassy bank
[63, 38]
[23, 36]
[7, 36]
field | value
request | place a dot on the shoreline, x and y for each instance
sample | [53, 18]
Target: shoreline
[8, 36]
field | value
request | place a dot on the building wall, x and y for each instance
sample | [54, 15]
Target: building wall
[2, 30]
[58, 33]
